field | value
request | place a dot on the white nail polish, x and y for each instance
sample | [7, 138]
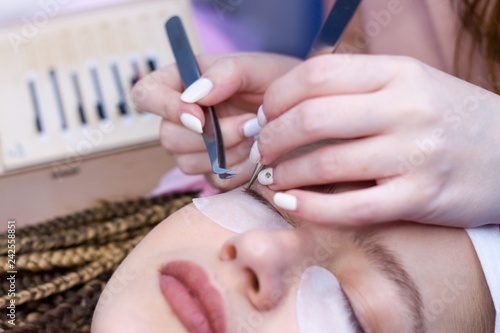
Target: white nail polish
[191, 122]
[266, 176]
[254, 153]
[197, 90]
[251, 128]
[261, 117]
[285, 201]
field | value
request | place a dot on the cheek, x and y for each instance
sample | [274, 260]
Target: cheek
[186, 229]
[132, 298]
[131, 303]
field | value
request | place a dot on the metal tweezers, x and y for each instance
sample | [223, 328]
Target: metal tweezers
[326, 41]
[190, 72]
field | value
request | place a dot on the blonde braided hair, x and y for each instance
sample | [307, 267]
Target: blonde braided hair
[63, 264]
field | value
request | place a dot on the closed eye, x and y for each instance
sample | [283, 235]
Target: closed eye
[257, 196]
[355, 324]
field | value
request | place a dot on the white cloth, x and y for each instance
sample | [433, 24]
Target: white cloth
[486, 241]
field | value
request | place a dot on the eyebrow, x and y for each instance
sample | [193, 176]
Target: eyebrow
[389, 265]
[257, 196]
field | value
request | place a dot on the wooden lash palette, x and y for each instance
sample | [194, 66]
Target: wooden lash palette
[67, 118]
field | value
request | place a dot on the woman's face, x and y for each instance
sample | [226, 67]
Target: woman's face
[397, 277]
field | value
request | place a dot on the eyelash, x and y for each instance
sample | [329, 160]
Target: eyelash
[352, 315]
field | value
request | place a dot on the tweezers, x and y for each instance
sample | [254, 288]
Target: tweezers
[190, 72]
[326, 41]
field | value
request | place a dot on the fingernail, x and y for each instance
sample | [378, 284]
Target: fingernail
[191, 122]
[254, 153]
[197, 90]
[285, 201]
[251, 128]
[266, 176]
[261, 117]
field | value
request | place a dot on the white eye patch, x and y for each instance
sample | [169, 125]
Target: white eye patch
[239, 212]
[321, 306]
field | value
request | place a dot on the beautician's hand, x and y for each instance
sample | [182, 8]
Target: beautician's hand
[429, 140]
[235, 84]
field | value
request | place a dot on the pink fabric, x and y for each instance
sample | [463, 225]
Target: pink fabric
[175, 181]
[211, 38]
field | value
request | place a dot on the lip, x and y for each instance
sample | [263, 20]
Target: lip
[179, 281]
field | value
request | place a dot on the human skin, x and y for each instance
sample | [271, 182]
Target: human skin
[428, 139]
[440, 261]
[240, 83]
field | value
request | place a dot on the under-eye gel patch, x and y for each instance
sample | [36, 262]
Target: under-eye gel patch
[239, 212]
[321, 306]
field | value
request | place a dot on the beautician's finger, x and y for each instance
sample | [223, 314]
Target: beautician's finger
[332, 74]
[334, 117]
[336, 163]
[170, 133]
[178, 139]
[248, 74]
[199, 163]
[381, 203]
[159, 93]
[245, 73]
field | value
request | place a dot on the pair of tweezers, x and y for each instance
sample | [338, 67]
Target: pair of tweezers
[326, 41]
[190, 72]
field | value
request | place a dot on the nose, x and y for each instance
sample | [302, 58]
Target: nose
[271, 261]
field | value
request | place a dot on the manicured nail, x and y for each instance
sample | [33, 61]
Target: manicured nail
[266, 176]
[285, 201]
[191, 122]
[251, 128]
[261, 117]
[254, 153]
[197, 90]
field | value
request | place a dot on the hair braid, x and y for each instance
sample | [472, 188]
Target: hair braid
[108, 261]
[71, 257]
[27, 280]
[100, 231]
[104, 211]
[64, 263]
[68, 316]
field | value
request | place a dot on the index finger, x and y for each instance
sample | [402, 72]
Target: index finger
[246, 74]
[159, 93]
[325, 75]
